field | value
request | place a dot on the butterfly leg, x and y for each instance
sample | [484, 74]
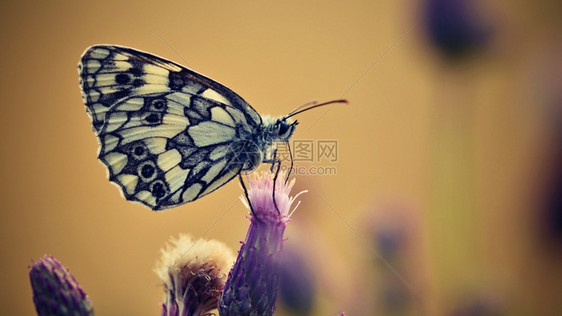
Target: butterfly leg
[247, 197]
[291, 166]
[273, 160]
[277, 163]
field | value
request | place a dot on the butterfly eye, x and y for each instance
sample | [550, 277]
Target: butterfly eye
[283, 128]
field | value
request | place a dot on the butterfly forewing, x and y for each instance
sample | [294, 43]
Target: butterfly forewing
[166, 133]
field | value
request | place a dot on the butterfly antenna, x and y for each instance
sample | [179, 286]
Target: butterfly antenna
[309, 103]
[293, 113]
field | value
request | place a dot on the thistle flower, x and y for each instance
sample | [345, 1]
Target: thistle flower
[55, 290]
[193, 274]
[252, 285]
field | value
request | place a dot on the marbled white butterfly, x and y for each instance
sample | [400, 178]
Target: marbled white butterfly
[169, 135]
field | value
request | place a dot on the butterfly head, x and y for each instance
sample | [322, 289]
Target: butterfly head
[284, 128]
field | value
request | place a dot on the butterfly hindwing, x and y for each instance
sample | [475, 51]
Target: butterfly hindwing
[167, 134]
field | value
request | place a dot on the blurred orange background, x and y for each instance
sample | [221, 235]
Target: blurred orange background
[454, 156]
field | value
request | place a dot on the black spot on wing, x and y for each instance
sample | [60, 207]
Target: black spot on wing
[153, 118]
[122, 78]
[110, 99]
[147, 171]
[177, 80]
[136, 71]
[158, 189]
[151, 112]
[137, 66]
[138, 82]
[138, 150]
[158, 104]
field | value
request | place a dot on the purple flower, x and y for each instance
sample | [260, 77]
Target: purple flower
[55, 290]
[454, 27]
[297, 288]
[551, 205]
[252, 285]
[193, 274]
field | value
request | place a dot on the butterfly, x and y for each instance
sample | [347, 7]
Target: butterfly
[167, 134]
